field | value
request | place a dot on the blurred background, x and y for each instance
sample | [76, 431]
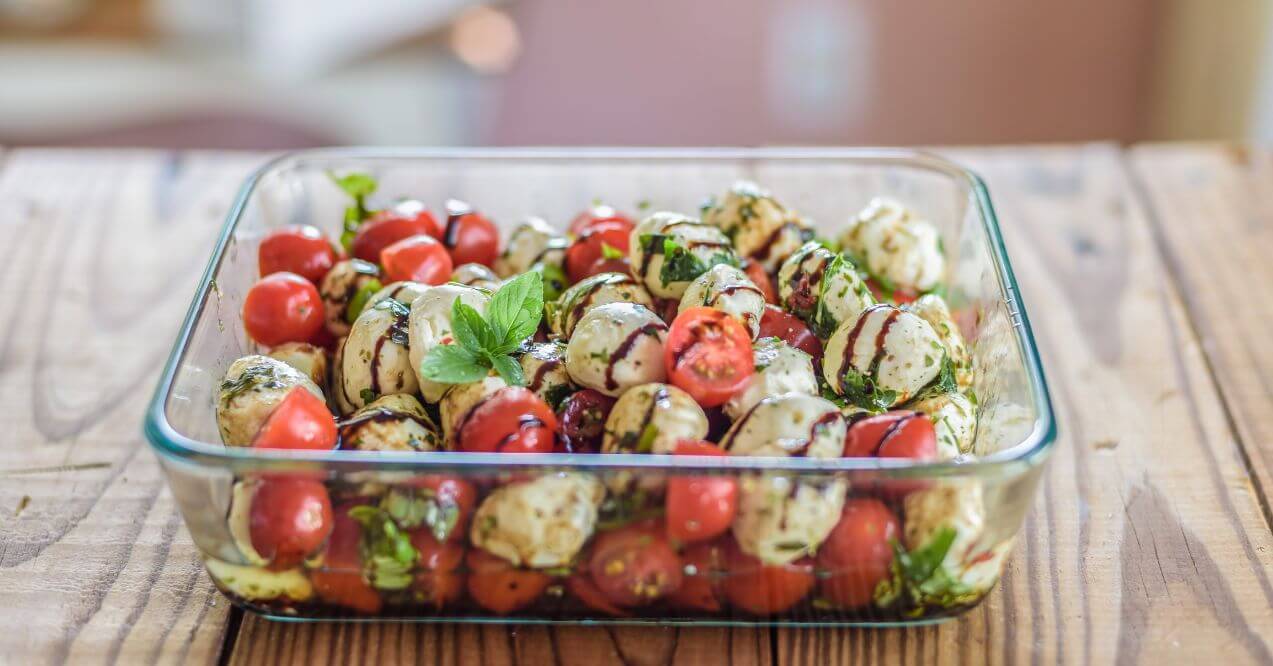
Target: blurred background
[296, 73]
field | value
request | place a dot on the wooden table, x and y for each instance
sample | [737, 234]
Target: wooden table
[1148, 273]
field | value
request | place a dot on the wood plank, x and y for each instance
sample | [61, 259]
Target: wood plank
[1147, 543]
[101, 253]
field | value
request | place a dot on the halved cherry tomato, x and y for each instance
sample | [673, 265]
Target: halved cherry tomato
[282, 307]
[896, 434]
[499, 587]
[790, 329]
[451, 493]
[388, 226]
[634, 565]
[299, 249]
[592, 246]
[470, 236]
[301, 421]
[580, 585]
[289, 519]
[898, 296]
[596, 214]
[513, 420]
[858, 553]
[438, 581]
[762, 279]
[419, 259]
[699, 507]
[583, 417]
[708, 355]
[704, 569]
[765, 589]
[340, 580]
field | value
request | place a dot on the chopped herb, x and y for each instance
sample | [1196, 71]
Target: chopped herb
[387, 553]
[643, 205]
[557, 394]
[368, 396]
[359, 186]
[610, 252]
[620, 509]
[645, 443]
[919, 581]
[252, 377]
[862, 391]
[359, 301]
[679, 263]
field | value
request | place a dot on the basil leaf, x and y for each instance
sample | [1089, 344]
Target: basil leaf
[387, 553]
[509, 369]
[515, 310]
[453, 364]
[863, 392]
[359, 301]
[356, 185]
[469, 329]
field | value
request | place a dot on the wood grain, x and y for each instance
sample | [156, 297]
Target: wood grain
[1147, 543]
[101, 253]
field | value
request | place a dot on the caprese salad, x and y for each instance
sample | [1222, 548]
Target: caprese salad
[734, 332]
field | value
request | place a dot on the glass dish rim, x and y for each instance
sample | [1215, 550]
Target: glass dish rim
[1032, 450]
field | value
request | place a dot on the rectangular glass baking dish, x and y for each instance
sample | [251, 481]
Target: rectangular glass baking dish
[983, 501]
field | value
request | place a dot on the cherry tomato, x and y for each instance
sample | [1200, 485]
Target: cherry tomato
[898, 296]
[300, 421]
[583, 417]
[438, 581]
[597, 214]
[896, 434]
[299, 249]
[386, 227]
[667, 308]
[418, 259]
[708, 355]
[591, 247]
[790, 329]
[704, 567]
[611, 265]
[289, 519]
[634, 565]
[513, 420]
[470, 236]
[340, 580]
[451, 493]
[499, 587]
[763, 280]
[699, 507]
[763, 589]
[859, 552]
[282, 307]
[580, 585]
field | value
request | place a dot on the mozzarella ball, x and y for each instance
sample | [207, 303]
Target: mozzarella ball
[762, 230]
[337, 399]
[239, 520]
[668, 250]
[259, 584]
[791, 424]
[253, 386]
[545, 368]
[617, 346]
[972, 558]
[899, 248]
[375, 359]
[781, 519]
[338, 288]
[886, 348]
[780, 368]
[932, 309]
[532, 242]
[475, 275]
[460, 399]
[430, 326]
[822, 288]
[309, 359]
[954, 418]
[391, 423]
[652, 418]
[729, 290]
[590, 292]
[404, 292]
[539, 523]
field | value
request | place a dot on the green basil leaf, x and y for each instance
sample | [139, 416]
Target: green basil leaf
[510, 369]
[356, 185]
[515, 310]
[470, 329]
[359, 301]
[863, 392]
[453, 364]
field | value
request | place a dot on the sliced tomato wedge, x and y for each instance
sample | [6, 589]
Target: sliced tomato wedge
[789, 328]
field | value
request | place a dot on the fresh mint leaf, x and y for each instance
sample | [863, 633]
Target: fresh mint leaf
[470, 329]
[510, 369]
[515, 310]
[453, 364]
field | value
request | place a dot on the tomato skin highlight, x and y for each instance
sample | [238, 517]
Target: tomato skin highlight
[282, 307]
[634, 565]
[513, 420]
[499, 587]
[417, 258]
[595, 215]
[708, 355]
[895, 434]
[290, 518]
[781, 324]
[699, 508]
[858, 553]
[701, 590]
[763, 589]
[300, 248]
[300, 421]
[587, 252]
[386, 227]
[471, 237]
[340, 580]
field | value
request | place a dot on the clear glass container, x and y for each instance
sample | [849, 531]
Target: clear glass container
[982, 502]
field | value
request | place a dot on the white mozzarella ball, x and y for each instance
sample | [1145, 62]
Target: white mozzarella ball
[258, 583]
[791, 424]
[392, 423]
[761, 228]
[780, 368]
[253, 386]
[822, 288]
[972, 559]
[338, 288]
[616, 346]
[404, 292]
[375, 358]
[475, 275]
[430, 326]
[532, 242]
[461, 399]
[933, 309]
[899, 248]
[954, 418]
[668, 250]
[590, 292]
[337, 399]
[309, 359]
[539, 523]
[781, 519]
[239, 520]
[652, 418]
[729, 290]
[886, 349]
[544, 366]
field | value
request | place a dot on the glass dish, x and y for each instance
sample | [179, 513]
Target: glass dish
[986, 499]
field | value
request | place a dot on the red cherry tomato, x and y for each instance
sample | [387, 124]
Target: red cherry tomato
[790, 329]
[513, 420]
[699, 507]
[470, 236]
[858, 553]
[340, 580]
[289, 519]
[451, 493]
[386, 227]
[499, 587]
[583, 417]
[708, 355]
[580, 586]
[597, 214]
[299, 249]
[612, 265]
[896, 434]
[763, 589]
[418, 259]
[591, 247]
[438, 582]
[634, 565]
[763, 280]
[704, 567]
[300, 421]
[282, 307]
